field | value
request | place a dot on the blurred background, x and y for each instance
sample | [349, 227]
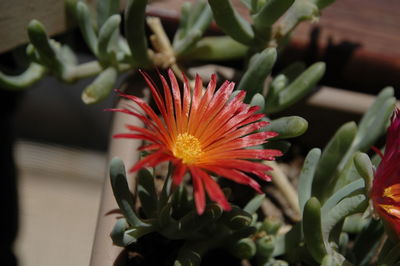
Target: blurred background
[59, 144]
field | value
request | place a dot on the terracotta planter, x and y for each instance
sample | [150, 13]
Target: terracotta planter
[104, 253]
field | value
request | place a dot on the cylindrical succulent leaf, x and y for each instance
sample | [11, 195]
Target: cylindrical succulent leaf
[244, 249]
[236, 218]
[147, 193]
[85, 24]
[119, 235]
[135, 31]
[259, 68]
[100, 88]
[45, 49]
[332, 156]
[365, 169]
[122, 193]
[197, 24]
[230, 22]
[108, 37]
[307, 176]
[297, 89]
[288, 127]
[32, 74]
[312, 228]
[216, 48]
[105, 9]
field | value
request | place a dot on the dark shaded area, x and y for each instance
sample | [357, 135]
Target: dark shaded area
[153, 249]
[8, 179]
[348, 65]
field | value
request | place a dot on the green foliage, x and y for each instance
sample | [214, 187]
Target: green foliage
[174, 216]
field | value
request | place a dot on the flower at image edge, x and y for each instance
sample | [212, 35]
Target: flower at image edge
[385, 192]
[203, 134]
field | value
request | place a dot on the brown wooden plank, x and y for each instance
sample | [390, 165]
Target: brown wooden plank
[16, 14]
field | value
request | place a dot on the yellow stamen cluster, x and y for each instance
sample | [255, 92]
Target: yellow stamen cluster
[392, 192]
[187, 147]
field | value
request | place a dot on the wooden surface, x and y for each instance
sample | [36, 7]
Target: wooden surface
[358, 39]
[355, 37]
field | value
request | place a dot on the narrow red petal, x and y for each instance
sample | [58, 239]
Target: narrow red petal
[199, 195]
[179, 172]
[235, 176]
[151, 160]
[214, 191]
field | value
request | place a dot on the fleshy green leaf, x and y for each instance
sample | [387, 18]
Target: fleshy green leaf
[86, 27]
[312, 228]
[301, 10]
[105, 9]
[34, 73]
[268, 15]
[45, 48]
[119, 235]
[121, 192]
[243, 249]
[147, 192]
[288, 127]
[374, 122]
[100, 88]
[365, 169]
[217, 48]
[197, 24]
[236, 218]
[135, 31]
[333, 200]
[255, 203]
[108, 36]
[338, 213]
[307, 176]
[284, 78]
[258, 70]
[332, 156]
[230, 22]
[297, 89]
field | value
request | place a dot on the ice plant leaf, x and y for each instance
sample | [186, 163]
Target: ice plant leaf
[100, 88]
[288, 127]
[107, 35]
[343, 209]
[105, 9]
[365, 169]
[297, 89]
[147, 192]
[335, 198]
[86, 27]
[31, 75]
[230, 22]
[205, 135]
[312, 229]
[385, 192]
[332, 156]
[119, 235]
[135, 31]
[307, 176]
[255, 203]
[260, 67]
[121, 192]
[197, 23]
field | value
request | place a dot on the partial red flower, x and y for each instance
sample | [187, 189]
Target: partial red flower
[385, 192]
[203, 134]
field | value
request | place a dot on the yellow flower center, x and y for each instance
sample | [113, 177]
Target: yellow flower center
[393, 192]
[187, 148]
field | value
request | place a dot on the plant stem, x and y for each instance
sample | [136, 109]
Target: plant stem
[280, 180]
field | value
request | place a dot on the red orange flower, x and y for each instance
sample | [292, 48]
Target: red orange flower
[203, 134]
[385, 192]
